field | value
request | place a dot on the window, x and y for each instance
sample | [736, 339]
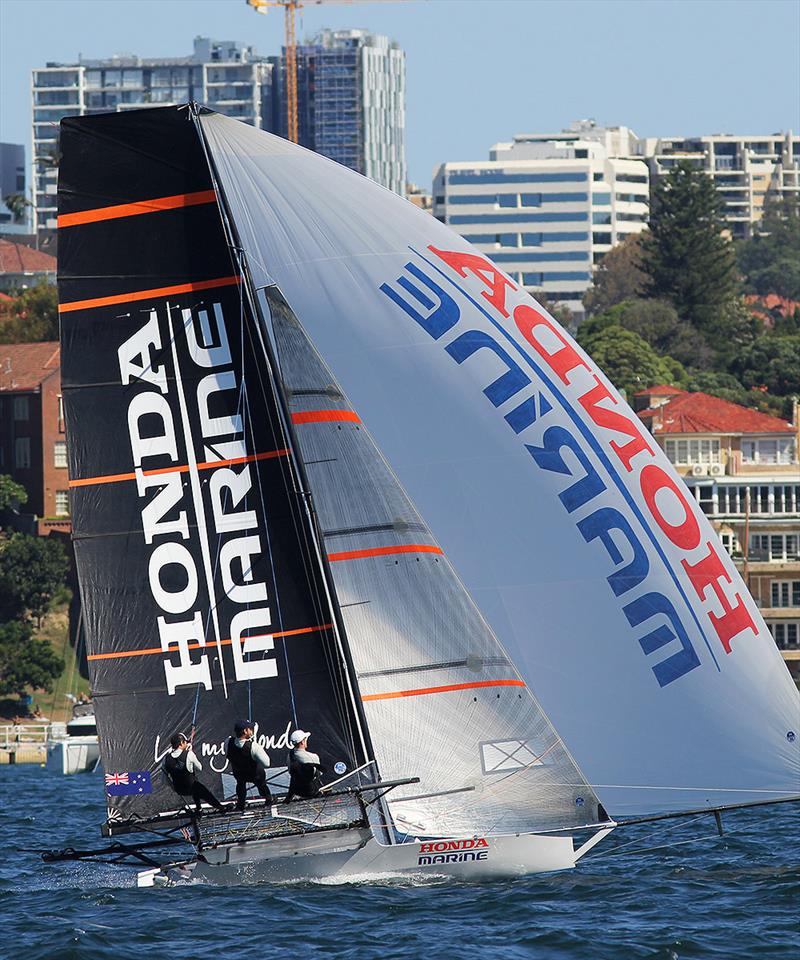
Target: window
[60, 453]
[62, 503]
[598, 177]
[601, 238]
[779, 450]
[531, 199]
[786, 633]
[507, 239]
[531, 239]
[786, 498]
[497, 176]
[601, 217]
[785, 593]
[692, 451]
[507, 199]
[705, 497]
[21, 408]
[774, 546]
[22, 453]
[601, 199]
[730, 543]
[532, 279]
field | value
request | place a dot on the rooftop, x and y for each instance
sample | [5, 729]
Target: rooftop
[23, 366]
[702, 413]
[17, 258]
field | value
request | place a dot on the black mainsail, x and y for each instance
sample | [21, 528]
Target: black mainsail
[203, 599]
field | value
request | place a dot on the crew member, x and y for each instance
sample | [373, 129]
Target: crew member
[181, 766]
[248, 761]
[305, 771]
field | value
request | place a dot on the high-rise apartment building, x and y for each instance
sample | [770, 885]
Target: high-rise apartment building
[547, 207]
[12, 184]
[746, 170]
[226, 75]
[351, 103]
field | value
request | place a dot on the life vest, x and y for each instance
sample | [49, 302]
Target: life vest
[180, 777]
[241, 759]
[305, 779]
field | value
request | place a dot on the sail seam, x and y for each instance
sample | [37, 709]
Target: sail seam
[180, 468]
[448, 688]
[136, 208]
[154, 293]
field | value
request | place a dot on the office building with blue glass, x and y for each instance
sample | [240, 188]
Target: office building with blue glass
[547, 207]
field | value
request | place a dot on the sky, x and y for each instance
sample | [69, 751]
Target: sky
[478, 71]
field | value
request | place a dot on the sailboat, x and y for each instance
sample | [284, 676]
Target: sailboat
[331, 468]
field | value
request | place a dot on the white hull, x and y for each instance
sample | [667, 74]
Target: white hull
[356, 855]
[73, 754]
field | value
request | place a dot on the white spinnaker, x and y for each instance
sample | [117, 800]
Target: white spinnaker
[631, 670]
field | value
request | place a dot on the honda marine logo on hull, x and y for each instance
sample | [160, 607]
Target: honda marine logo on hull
[452, 851]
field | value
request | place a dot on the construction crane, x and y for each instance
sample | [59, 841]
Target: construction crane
[290, 8]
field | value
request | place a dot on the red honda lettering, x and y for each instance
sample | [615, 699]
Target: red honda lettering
[485, 271]
[565, 359]
[687, 533]
[604, 417]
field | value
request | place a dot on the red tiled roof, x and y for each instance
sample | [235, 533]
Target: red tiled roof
[664, 390]
[702, 413]
[17, 258]
[23, 366]
[784, 306]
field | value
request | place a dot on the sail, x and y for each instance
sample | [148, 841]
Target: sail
[567, 524]
[442, 700]
[202, 595]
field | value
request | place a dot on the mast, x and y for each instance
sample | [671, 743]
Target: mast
[296, 462]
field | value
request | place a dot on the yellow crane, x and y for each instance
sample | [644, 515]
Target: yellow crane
[290, 8]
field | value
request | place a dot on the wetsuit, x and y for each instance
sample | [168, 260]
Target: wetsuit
[180, 767]
[248, 762]
[305, 774]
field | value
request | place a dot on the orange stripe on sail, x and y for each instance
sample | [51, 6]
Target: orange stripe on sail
[384, 551]
[148, 651]
[423, 691]
[148, 294]
[178, 468]
[320, 416]
[155, 205]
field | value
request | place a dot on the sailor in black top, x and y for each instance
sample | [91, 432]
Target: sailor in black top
[248, 762]
[180, 766]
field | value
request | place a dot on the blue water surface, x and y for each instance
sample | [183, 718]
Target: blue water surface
[729, 898]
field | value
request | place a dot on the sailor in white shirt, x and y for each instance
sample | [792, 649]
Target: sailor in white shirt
[305, 770]
[249, 762]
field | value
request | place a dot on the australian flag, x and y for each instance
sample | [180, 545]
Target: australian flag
[128, 784]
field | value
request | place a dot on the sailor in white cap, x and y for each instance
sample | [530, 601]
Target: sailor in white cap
[305, 771]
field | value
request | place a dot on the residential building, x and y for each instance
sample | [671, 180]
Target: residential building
[742, 467]
[547, 207]
[746, 170]
[419, 197]
[22, 266]
[351, 103]
[226, 75]
[33, 448]
[12, 183]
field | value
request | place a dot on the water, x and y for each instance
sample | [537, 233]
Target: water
[737, 897]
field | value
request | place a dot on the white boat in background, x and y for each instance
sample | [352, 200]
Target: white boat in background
[332, 469]
[73, 747]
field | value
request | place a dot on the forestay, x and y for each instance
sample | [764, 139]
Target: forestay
[569, 527]
[442, 700]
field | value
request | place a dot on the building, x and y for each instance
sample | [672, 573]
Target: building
[12, 184]
[33, 448]
[228, 76]
[22, 266]
[351, 103]
[745, 170]
[419, 197]
[547, 207]
[742, 467]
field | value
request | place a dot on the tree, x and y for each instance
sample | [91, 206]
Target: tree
[770, 260]
[628, 361]
[771, 362]
[17, 204]
[657, 322]
[31, 316]
[32, 569]
[687, 258]
[26, 661]
[12, 494]
[618, 276]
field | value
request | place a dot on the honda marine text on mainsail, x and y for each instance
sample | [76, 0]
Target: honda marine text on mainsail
[333, 469]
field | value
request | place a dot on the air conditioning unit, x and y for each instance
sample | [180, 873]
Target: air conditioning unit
[698, 470]
[716, 470]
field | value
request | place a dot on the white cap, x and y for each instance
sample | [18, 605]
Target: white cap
[298, 736]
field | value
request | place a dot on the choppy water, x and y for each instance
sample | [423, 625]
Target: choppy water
[737, 897]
